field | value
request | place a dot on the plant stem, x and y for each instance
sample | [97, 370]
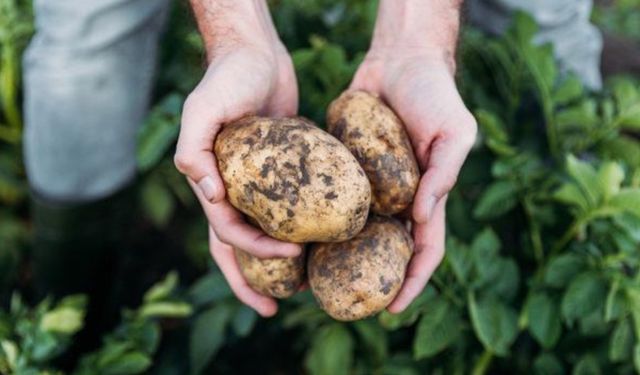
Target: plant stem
[447, 291]
[482, 364]
[9, 76]
[566, 237]
[534, 232]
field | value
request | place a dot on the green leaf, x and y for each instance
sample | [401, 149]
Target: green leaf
[128, 364]
[163, 289]
[625, 94]
[158, 202]
[570, 89]
[439, 327]
[496, 200]
[165, 310]
[587, 365]
[547, 364]
[458, 257]
[621, 344]
[159, 132]
[636, 357]
[585, 294]
[491, 126]
[562, 269]
[581, 116]
[544, 320]
[593, 325]
[65, 320]
[46, 345]
[11, 352]
[611, 176]
[524, 28]
[373, 337]
[630, 224]
[410, 314]
[331, 351]
[630, 118]
[111, 352]
[307, 315]
[587, 179]
[616, 304]
[570, 194]
[209, 288]
[400, 364]
[622, 148]
[486, 244]
[495, 324]
[207, 335]
[628, 200]
[633, 296]
[484, 253]
[244, 321]
[507, 279]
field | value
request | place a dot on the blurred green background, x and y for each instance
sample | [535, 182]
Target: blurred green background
[543, 250]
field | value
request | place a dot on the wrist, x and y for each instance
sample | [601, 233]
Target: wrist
[227, 25]
[417, 28]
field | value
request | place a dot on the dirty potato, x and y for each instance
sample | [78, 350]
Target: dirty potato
[276, 277]
[377, 138]
[297, 181]
[357, 278]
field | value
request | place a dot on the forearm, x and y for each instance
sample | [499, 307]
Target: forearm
[225, 24]
[418, 26]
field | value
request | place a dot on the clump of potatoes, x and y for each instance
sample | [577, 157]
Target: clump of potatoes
[301, 184]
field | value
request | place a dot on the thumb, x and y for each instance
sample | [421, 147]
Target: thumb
[194, 152]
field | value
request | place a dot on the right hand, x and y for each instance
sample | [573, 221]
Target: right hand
[240, 80]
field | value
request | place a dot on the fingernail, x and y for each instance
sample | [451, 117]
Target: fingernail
[431, 205]
[208, 188]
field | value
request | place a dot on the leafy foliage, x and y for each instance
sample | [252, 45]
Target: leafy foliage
[31, 338]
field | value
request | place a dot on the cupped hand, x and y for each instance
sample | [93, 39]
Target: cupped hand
[420, 88]
[239, 81]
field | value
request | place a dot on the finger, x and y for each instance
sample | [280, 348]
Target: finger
[445, 157]
[429, 250]
[230, 228]
[194, 152]
[225, 258]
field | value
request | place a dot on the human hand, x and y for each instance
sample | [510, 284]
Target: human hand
[249, 72]
[416, 79]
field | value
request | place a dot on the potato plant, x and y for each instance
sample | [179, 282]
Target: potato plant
[541, 269]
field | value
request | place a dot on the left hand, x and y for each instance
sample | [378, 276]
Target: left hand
[420, 87]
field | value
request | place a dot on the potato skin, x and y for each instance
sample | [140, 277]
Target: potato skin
[297, 181]
[357, 278]
[377, 138]
[276, 277]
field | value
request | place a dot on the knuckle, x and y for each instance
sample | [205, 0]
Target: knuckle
[184, 162]
[469, 130]
[224, 237]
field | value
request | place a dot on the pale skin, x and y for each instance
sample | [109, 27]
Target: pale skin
[410, 64]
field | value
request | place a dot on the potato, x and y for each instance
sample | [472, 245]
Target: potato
[297, 181]
[377, 138]
[276, 277]
[357, 278]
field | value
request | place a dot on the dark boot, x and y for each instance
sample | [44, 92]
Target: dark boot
[76, 248]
